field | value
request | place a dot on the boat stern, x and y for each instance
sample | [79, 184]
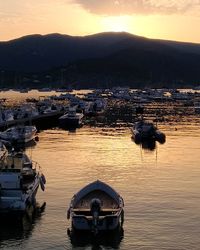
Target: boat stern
[106, 221]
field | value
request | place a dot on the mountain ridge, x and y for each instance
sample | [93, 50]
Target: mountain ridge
[105, 55]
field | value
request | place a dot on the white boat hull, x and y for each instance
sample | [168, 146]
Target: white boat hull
[19, 134]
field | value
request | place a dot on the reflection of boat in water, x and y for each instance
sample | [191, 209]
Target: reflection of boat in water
[143, 131]
[71, 119]
[149, 145]
[96, 207]
[19, 182]
[15, 228]
[146, 144]
[19, 134]
[111, 239]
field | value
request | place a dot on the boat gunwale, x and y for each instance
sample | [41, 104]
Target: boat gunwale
[99, 185]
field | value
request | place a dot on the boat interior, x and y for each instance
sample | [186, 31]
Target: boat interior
[109, 205]
[21, 165]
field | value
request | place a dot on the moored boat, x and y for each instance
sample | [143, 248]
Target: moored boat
[19, 134]
[142, 131]
[96, 207]
[19, 182]
[71, 119]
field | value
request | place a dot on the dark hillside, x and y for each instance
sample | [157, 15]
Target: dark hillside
[100, 59]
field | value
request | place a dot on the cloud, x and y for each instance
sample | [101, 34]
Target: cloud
[129, 7]
[16, 11]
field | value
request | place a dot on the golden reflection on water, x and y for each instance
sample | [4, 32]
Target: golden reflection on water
[160, 187]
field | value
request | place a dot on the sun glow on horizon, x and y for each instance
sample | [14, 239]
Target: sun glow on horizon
[82, 18]
[116, 23]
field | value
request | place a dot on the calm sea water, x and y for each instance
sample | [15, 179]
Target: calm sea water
[160, 187]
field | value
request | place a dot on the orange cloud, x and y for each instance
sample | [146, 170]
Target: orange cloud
[129, 7]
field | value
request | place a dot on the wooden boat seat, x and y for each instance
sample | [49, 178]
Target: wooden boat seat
[87, 211]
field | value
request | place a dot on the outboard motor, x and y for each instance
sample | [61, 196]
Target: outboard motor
[95, 207]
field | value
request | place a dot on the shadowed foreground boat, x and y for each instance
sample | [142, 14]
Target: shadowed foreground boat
[19, 182]
[96, 207]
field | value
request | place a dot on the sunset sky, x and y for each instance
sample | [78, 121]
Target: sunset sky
[164, 19]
